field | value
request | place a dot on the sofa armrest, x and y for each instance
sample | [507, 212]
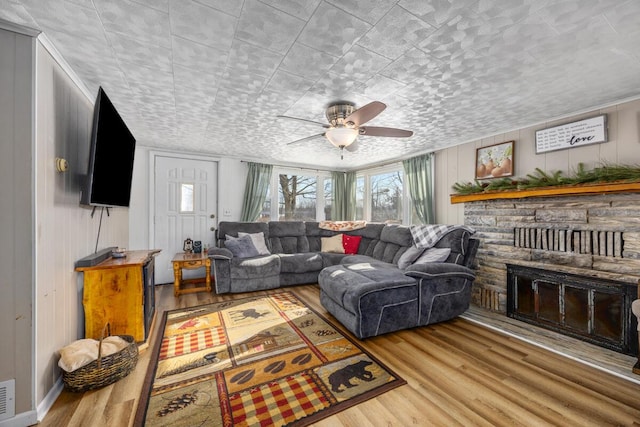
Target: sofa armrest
[445, 290]
[439, 269]
[221, 269]
[220, 253]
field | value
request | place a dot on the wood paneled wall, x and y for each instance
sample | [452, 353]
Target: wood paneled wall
[457, 164]
[16, 215]
[65, 231]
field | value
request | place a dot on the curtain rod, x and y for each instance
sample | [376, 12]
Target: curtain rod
[294, 167]
[400, 160]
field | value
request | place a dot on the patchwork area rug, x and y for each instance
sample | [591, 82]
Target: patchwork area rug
[264, 360]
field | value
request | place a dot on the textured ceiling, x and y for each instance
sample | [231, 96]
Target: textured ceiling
[211, 76]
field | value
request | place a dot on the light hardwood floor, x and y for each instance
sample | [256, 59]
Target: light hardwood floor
[458, 373]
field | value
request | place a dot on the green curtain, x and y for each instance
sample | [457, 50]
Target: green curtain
[255, 191]
[418, 176]
[350, 190]
[343, 186]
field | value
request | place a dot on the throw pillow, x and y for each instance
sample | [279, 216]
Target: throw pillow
[332, 244]
[241, 247]
[258, 242]
[409, 256]
[433, 255]
[351, 243]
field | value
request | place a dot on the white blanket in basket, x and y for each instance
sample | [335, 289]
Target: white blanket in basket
[82, 352]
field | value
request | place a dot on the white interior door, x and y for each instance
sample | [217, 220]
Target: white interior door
[185, 204]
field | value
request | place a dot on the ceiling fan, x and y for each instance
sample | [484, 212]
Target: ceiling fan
[346, 123]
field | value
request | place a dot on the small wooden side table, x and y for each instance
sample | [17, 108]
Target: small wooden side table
[191, 261]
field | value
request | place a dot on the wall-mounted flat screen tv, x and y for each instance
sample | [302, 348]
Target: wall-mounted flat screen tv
[111, 155]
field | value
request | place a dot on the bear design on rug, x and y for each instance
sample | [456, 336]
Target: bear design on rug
[245, 314]
[343, 375]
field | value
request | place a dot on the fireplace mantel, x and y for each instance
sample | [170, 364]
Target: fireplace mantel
[571, 190]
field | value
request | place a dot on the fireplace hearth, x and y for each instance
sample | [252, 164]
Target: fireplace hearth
[592, 309]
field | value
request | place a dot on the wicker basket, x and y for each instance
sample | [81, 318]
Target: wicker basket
[105, 370]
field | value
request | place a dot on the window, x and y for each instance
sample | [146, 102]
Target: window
[186, 198]
[387, 197]
[297, 195]
[380, 195]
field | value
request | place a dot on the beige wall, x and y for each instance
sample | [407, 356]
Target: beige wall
[457, 164]
[16, 216]
[64, 231]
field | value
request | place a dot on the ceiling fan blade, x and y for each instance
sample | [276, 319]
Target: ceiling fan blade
[352, 147]
[307, 138]
[363, 114]
[324, 125]
[382, 131]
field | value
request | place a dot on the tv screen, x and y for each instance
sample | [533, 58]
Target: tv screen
[111, 156]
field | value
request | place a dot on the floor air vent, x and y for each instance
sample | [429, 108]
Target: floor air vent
[7, 399]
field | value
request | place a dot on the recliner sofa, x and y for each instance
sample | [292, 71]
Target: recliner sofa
[367, 292]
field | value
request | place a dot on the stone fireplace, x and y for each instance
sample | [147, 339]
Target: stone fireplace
[577, 252]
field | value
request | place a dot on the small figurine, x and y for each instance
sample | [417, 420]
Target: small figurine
[188, 246]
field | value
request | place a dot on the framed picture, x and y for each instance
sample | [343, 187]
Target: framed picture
[495, 161]
[575, 134]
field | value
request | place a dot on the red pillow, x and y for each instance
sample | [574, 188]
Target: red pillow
[351, 243]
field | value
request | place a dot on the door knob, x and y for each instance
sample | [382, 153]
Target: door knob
[212, 229]
[212, 216]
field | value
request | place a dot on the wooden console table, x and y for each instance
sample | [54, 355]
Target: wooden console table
[120, 291]
[190, 261]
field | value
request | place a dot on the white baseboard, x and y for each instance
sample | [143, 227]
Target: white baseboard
[21, 420]
[49, 399]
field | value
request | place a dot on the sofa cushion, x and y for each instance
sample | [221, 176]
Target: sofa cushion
[256, 267]
[288, 237]
[433, 255]
[347, 284]
[394, 242]
[370, 236]
[232, 228]
[409, 256]
[366, 261]
[329, 259]
[241, 247]
[300, 263]
[258, 242]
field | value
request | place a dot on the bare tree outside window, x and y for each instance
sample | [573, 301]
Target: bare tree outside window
[386, 197]
[297, 198]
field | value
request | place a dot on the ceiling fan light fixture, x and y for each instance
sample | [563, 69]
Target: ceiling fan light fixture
[341, 136]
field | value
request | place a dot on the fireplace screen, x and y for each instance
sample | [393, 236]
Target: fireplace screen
[592, 309]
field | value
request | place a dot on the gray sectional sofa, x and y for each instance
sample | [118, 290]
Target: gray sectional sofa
[367, 292]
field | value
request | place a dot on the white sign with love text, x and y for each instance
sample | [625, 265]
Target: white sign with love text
[576, 134]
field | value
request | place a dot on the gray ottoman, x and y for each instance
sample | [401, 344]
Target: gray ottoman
[370, 298]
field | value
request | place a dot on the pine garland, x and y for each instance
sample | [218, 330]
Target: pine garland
[541, 179]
